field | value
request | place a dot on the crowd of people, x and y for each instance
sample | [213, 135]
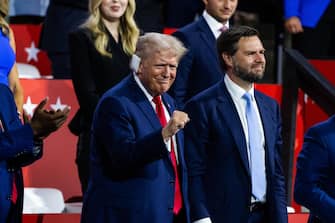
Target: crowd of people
[170, 127]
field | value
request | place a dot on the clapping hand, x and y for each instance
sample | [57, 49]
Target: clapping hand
[44, 122]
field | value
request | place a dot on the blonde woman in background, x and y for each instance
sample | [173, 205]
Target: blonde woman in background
[100, 51]
[8, 69]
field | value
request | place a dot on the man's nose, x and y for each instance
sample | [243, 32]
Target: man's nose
[259, 57]
[167, 70]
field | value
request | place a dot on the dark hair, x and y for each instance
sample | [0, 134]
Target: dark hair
[227, 41]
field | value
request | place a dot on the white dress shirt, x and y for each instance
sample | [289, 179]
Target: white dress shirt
[236, 92]
[167, 116]
[213, 24]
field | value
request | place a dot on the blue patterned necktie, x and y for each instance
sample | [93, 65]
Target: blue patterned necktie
[257, 159]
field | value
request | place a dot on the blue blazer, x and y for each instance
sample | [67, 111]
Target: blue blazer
[217, 160]
[200, 67]
[308, 11]
[132, 178]
[16, 147]
[315, 178]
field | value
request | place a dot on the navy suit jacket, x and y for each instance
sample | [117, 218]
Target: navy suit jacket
[62, 17]
[132, 178]
[315, 178]
[16, 150]
[199, 68]
[217, 160]
[184, 14]
[308, 11]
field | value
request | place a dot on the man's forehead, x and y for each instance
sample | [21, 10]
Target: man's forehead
[250, 42]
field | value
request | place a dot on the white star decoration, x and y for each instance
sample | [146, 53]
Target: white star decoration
[32, 52]
[29, 107]
[58, 105]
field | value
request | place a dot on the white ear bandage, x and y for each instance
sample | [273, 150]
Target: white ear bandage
[134, 62]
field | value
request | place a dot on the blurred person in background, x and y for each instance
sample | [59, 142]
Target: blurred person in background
[314, 185]
[200, 68]
[149, 15]
[312, 25]
[27, 11]
[186, 12]
[100, 54]
[21, 145]
[62, 17]
[8, 69]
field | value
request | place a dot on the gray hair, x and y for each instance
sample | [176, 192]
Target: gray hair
[151, 43]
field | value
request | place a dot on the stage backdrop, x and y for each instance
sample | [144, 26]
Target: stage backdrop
[57, 167]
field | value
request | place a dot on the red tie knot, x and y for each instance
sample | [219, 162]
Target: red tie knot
[157, 100]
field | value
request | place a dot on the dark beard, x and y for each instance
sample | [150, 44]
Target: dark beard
[245, 75]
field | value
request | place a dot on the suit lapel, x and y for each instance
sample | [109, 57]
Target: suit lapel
[226, 108]
[143, 104]
[208, 37]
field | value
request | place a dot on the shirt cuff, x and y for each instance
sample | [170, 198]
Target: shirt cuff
[203, 220]
[37, 147]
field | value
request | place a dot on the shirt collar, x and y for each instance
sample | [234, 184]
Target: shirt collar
[139, 83]
[236, 91]
[213, 24]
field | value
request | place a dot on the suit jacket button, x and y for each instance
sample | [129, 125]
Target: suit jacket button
[9, 197]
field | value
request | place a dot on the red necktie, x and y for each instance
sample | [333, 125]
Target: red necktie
[177, 193]
[14, 190]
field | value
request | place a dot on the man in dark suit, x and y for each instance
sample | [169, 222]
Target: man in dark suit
[185, 12]
[138, 172]
[315, 178]
[199, 69]
[20, 145]
[233, 142]
[62, 17]
[149, 15]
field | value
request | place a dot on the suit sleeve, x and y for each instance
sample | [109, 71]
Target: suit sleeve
[15, 143]
[279, 179]
[196, 139]
[179, 88]
[291, 8]
[118, 144]
[313, 170]
[82, 72]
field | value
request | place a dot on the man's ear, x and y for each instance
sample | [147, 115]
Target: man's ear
[139, 69]
[228, 59]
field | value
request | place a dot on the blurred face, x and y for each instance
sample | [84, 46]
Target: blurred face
[249, 60]
[221, 10]
[112, 10]
[158, 72]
